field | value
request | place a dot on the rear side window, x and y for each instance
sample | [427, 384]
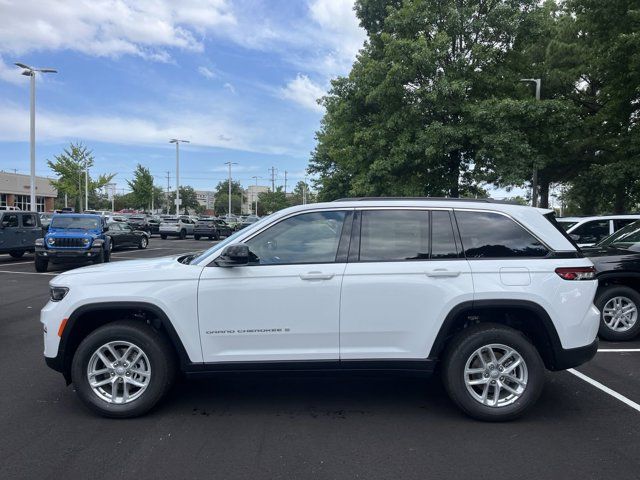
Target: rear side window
[28, 220]
[591, 232]
[10, 220]
[394, 235]
[622, 222]
[491, 235]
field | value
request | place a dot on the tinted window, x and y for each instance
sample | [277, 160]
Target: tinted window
[306, 238]
[591, 232]
[79, 222]
[443, 244]
[10, 220]
[622, 222]
[394, 235]
[28, 220]
[491, 235]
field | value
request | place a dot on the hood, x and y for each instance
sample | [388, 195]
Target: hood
[120, 267]
[71, 233]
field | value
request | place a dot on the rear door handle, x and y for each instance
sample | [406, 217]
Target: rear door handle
[443, 272]
[316, 276]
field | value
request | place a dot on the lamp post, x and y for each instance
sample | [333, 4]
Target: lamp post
[534, 182]
[31, 72]
[177, 142]
[229, 164]
[255, 193]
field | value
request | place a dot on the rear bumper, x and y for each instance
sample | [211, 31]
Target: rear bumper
[170, 233]
[572, 357]
[205, 232]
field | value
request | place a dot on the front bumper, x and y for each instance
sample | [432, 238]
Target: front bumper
[68, 254]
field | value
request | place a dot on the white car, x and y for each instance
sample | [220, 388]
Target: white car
[587, 231]
[492, 293]
[177, 227]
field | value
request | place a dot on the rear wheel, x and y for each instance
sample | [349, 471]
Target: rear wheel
[493, 373]
[16, 253]
[143, 242]
[123, 369]
[183, 234]
[618, 307]
[163, 236]
[41, 264]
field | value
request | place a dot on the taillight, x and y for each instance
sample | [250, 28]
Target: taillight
[577, 273]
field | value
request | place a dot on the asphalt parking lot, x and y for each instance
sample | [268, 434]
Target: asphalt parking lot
[311, 426]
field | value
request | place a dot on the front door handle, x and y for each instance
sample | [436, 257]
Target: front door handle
[443, 272]
[316, 276]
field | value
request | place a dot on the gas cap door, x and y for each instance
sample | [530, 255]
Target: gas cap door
[515, 276]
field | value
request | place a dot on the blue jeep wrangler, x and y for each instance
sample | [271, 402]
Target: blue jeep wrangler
[73, 238]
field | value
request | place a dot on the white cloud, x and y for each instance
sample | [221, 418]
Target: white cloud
[10, 73]
[305, 92]
[110, 27]
[230, 87]
[206, 72]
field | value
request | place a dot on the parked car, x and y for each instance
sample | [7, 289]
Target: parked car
[246, 222]
[491, 293]
[73, 238]
[223, 227]
[18, 232]
[206, 227]
[617, 262]
[176, 227]
[139, 222]
[124, 235]
[154, 224]
[587, 231]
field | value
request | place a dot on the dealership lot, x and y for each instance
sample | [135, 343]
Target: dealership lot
[304, 426]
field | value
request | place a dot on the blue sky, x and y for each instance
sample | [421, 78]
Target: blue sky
[237, 78]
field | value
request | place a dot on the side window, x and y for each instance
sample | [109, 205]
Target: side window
[622, 222]
[443, 244]
[306, 238]
[394, 235]
[591, 232]
[491, 235]
[28, 220]
[10, 220]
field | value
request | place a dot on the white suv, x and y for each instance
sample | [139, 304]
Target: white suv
[492, 293]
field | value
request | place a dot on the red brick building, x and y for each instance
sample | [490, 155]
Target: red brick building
[14, 192]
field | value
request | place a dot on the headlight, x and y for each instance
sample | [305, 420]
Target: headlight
[86, 241]
[57, 293]
[51, 241]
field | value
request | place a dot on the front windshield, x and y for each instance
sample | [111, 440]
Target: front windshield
[83, 223]
[170, 220]
[229, 240]
[623, 238]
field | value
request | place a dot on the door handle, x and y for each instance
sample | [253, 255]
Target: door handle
[443, 272]
[316, 276]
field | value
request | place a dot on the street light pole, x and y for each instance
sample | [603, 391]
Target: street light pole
[177, 142]
[255, 193]
[534, 182]
[86, 185]
[31, 72]
[229, 164]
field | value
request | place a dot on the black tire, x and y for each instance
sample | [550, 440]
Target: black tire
[196, 237]
[602, 298]
[41, 264]
[463, 347]
[183, 234]
[16, 253]
[216, 236]
[163, 237]
[143, 242]
[99, 258]
[155, 346]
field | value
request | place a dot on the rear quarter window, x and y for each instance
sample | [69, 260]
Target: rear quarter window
[493, 235]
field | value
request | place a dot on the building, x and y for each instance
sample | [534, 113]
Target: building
[250, 196]
[206, 199]
[15, 192]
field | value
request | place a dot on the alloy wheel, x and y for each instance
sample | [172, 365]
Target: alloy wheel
[620, 314]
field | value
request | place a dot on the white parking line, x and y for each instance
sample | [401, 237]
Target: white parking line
[606, 389]
[15, 263]
[29, 273]
[611, 350]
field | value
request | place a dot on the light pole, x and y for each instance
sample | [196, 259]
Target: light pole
[86, 184]
[229, 164]
[304, 191]
[177, 142]
[534, 182]
[31, 72]
[255, 193]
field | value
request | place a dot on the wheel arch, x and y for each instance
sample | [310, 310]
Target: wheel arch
[99, 314]
[617, 279]
[528, 317]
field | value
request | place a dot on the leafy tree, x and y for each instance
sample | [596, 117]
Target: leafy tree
[142, 187]
[300, 191]
[69, 167]
[188, 200]
[273, 201]
[221, 204]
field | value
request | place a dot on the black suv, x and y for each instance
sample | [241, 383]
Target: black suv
[18, 232]
[617, 261]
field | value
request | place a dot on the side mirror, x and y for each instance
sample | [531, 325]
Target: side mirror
[233, 256]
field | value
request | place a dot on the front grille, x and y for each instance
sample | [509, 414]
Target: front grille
[68, 242]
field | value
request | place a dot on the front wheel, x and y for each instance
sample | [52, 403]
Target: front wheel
[41, 264]
[183, 234]
[196, 237]
[123, 369]
[163, 236]
[618, 307]
[99, 258]
[493, 373]
[143, 242]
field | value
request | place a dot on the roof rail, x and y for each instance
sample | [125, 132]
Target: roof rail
[435, 199]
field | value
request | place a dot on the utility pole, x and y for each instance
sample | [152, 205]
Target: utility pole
[86, 184]
[31, 72]
[168, 188]
[255, 193]
[304, 191]
[177, 142]
[534, 183]
[285, 183]
[273, 179]
[229, 211]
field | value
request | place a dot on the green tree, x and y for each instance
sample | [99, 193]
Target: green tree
[188, 200]
[300, 191]
[273, 201]
[69, 167]
[142, 187]
[221, 204]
